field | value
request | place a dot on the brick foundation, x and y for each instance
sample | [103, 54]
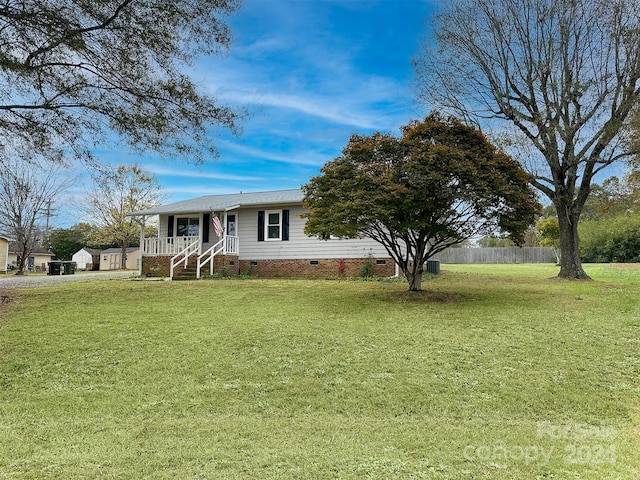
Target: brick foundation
[161, 266]
[320, 268]
[156, 266]
[224, 264]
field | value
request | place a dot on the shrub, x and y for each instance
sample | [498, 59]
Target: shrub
[612, 239]
[367, 268]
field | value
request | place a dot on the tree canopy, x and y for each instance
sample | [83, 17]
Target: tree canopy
[64, 242]
[565, 74]
[116, 194]
[438, 185]
[74, 72]
[610, 227]
[614, 196]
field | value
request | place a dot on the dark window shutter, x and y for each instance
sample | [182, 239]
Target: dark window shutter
[261, 225]
[285, 224]
[206, 221]
[170, 226]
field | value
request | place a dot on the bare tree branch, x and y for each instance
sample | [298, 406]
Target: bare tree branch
[26, 192]
[117, 193]
[565, 74]
[114, 66]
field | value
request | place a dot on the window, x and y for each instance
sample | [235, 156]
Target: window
[188, 226]
[273, 225]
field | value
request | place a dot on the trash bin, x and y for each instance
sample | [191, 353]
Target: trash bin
[54, 268]
[433, 266]
[69, 268]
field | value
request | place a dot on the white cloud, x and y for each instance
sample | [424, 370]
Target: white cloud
[200, 174]
[309, 158]
[325, 108]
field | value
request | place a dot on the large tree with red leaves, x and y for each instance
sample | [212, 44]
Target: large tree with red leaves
[436, 186]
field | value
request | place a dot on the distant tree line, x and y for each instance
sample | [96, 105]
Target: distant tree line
[610, 230]
[64, 242]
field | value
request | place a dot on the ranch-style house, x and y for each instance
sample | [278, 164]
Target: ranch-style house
[260, 233]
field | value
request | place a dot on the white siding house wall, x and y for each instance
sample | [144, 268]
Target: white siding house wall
[299, 245]
[163, 230]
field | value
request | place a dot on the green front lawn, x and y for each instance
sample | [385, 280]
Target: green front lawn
[497, 372]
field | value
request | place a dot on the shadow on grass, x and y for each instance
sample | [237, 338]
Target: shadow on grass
[427, 296]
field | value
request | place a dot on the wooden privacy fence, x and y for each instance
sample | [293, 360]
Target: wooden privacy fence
[498, 255]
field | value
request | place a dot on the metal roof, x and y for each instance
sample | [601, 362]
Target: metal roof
[232, 201]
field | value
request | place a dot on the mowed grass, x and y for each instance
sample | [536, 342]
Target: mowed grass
[496, 372]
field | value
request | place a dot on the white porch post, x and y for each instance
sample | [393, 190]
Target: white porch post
[224, 233]
[142, 252]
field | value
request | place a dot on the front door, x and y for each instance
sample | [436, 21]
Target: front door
[231, 224]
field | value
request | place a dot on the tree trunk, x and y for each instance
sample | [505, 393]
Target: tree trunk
[570, 263]
[23, 255]
[414, 276]
[22, 265]
[123, 256]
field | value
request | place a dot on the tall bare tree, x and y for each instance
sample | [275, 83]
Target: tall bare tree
[117, 193]
[27, 190]
[74, 72]
[565, 73]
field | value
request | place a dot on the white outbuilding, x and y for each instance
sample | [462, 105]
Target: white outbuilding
[87, 259]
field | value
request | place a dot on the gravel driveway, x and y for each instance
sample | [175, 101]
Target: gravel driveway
[14, 281]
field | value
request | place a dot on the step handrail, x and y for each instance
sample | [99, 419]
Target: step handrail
[209, 254]
[187, 252]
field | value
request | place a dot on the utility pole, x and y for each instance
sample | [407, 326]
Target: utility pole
[48, 214]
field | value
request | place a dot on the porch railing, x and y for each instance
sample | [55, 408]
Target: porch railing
[166, 245]
[232, 246]
[181, 248]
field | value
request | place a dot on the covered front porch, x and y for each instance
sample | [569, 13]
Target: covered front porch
[155, 246]
[188, 253]
[188, 243]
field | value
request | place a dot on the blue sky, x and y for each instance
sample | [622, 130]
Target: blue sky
[310, 73]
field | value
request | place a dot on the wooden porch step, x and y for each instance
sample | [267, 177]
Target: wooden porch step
[189, 273]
